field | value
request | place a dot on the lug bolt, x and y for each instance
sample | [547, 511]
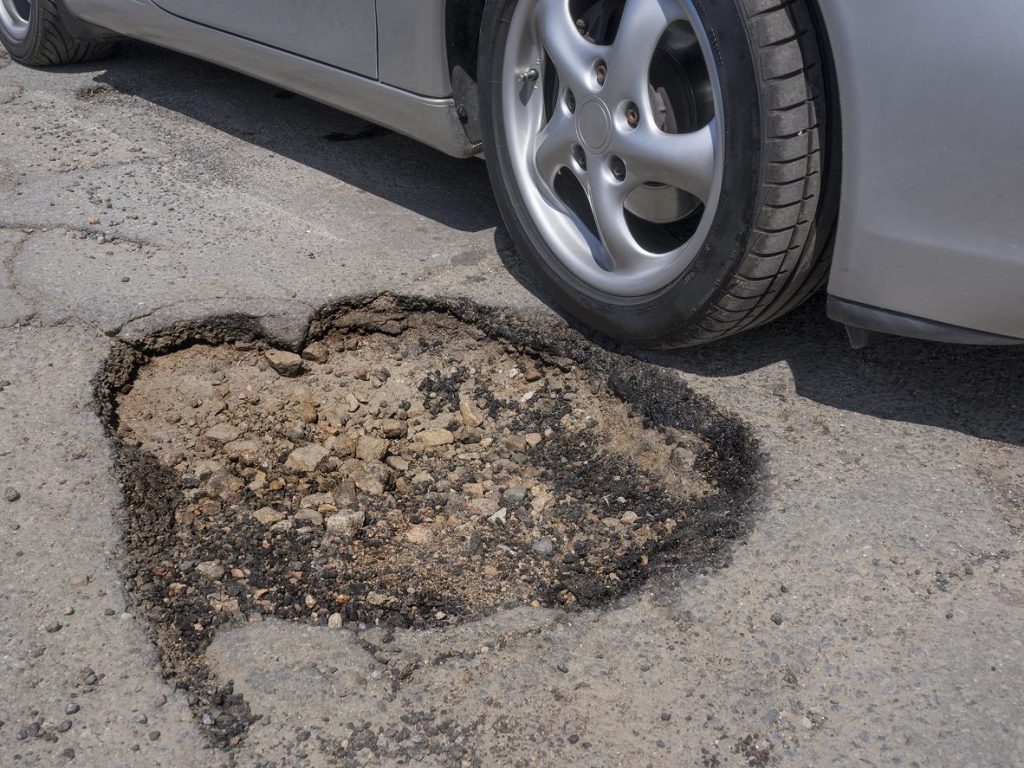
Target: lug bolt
[632, 116]
[602, 72]
[618, 168]
[570, 101]
[527, 76]
[579, 156]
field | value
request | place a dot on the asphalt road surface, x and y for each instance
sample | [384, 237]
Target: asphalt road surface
[874, 615]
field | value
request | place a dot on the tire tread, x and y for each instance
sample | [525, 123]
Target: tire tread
[786, 263]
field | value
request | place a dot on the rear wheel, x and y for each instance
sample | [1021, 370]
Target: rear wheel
[658, 162]
[34, 34]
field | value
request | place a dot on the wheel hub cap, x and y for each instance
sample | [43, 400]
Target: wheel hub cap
[621, 196]
[594, 125]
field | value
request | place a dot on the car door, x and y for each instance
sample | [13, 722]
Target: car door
[341, 33]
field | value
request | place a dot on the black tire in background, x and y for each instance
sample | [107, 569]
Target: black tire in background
[47, 41]
[765, 253]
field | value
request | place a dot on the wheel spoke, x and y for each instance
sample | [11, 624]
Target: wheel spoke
[572, 55]
[684, 160]
[553, 146]
[608, 200]
[642, 26]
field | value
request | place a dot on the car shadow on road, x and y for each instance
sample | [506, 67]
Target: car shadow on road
[968, 389]
[453, 192]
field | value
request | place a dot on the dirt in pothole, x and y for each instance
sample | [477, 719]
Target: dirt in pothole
[414, 475]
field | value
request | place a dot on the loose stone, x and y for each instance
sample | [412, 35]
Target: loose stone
[307, 458]
[346, 523]
[211, 570]
[285, 363]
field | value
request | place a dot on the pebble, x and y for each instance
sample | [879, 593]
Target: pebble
[345, 496]
[268, 515]
[394, 429]
[316, 500]
[309, 517]
[335, 621]
[307, 458]
[316, 352]
[285, 363]
[419, 534]
[341, 446]
[397, 463]
[423, 478]
[471, 417]
[211, 570]
[514, 495]
[544, 547]
[71, 708]
[346, 523]
[499, 516]
[777, 617]
[629, 517]
[432, 438]
[371, 448]
[372, 477]
[515, 443]
[11, 495]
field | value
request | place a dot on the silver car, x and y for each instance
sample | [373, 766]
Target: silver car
[673, 171]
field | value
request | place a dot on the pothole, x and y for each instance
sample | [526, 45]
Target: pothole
[97, 92]
[410, 468]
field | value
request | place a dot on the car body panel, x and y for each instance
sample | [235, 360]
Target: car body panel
[413, 48]
[431, 120]
[931, 223]
[342, 33]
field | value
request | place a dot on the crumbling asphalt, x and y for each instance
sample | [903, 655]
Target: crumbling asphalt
[872, 613]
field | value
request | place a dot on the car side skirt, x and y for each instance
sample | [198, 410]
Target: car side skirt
[859, 318]
[431, 120]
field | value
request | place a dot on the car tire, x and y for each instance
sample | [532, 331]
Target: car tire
[34, 33]
[739, 144]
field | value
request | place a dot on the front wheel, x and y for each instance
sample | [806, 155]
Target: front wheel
[658, 162]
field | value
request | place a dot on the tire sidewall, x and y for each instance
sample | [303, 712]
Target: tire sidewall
[661, 315]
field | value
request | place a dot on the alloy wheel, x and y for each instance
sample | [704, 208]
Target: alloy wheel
[14, 17]
[611, 111]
